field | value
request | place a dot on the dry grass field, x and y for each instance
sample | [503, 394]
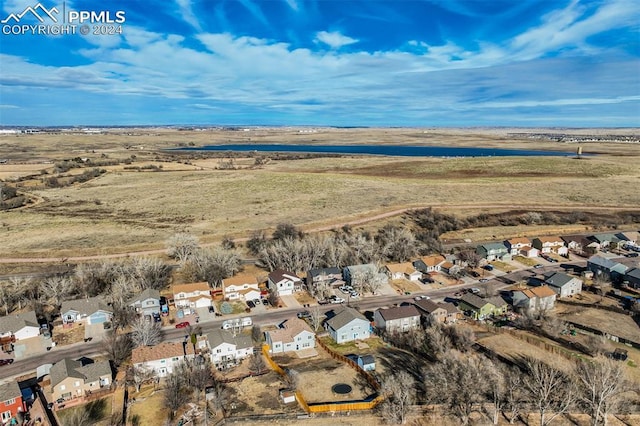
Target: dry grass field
[129, 210]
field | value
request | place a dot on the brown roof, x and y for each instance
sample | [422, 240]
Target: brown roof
[527, 248]
[240, 279]
[447, 265]
[280, 275]
[292, 327]
[399, 312]
[433, 260]
[552, 239]
[190, 287]
[542, 291]
[519, 240]
[163, 350]
[427, 305]
[405, 268]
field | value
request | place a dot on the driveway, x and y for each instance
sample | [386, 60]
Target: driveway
[290, 301]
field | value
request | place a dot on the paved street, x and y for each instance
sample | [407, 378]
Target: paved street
[273, 316]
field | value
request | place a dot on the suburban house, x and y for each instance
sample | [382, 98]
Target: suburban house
[480, 308]
[553, 244]
[161, 358]
[293, 334]
[325, 276]
[10, 402]
[241, 286]
[19, 326]
[515, 244]
[398, 271]
[92, 310]
[603, 265]
[564, 285]
[192, 295]
[540, 298]
[493, 251]
[71, 379]
[367, 270]
[398, 319]
[632, 237]
[431, 263]
[632, 277]
[446, 313]
[455, 259]
[450, 268]
[284, 282]
[580, 244]
[605, 240]
[226, 349]
[348, 325]
[528, 251]
[146, 303]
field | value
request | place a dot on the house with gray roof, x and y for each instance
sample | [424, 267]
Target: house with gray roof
[147, 302]
[292, 335]
[632, 277]
[226, 349]
[480, 308]
[493, 251]
[564, 285]
[71, 379]
[398, 319]
[603, 265]
[348, 325]
[92, 310]
[605, 239]
[19, 326]
[442, 312]
[632, 237]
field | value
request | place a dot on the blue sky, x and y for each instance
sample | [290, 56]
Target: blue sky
[344, 63]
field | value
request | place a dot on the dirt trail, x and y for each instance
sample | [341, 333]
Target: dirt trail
[323, 228]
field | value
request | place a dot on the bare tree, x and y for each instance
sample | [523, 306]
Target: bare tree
[461, 337]
[496, 390]
[177, 392]
[286, 230]
[256, 242]
[182, 246]
[256, 362]
[145, 332]
[117, 346]
[211, 265]
[602, 385]
[471, 257]
[256, 333]
[7, 296]
[550, 389]
[597, 345]
[55, 288]
[400, 394]
[291, 378]
[139, 376]
[201, 375]
[316, 318]
[514, 393]
[123, 315]
[459, 382]
[397, 244]
[220, 396]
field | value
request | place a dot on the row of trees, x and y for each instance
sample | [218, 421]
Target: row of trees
[463, 382]
[117, 281]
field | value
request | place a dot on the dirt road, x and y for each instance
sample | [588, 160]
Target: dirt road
[313, 229]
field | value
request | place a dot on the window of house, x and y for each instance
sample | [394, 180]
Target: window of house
[10, 402]
[149, 302]
[77, 383]
[174, 358]
[219, 351]
[62, 387]
[6, 416]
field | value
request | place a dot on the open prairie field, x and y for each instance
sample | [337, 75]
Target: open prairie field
[126, 210]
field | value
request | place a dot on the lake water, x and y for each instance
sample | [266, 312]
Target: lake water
[393, 150]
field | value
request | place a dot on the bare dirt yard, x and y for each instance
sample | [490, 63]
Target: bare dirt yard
[608, 322]
[317, 375]
[258, 395]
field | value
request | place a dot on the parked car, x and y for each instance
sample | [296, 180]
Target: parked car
[488, 267]
[183, 324]
[476, 290]
[156, 317]
[337, 300]
[256, 302]
[6, 361]
[539, 265]
[483, 280]
[304, 314]
[474, 274]
[354, 295]
[632, 255]
[251, 304]
[265, 302]
[211, 309]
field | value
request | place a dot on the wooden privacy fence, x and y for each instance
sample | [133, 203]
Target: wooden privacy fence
[370, 379]
[329, 407]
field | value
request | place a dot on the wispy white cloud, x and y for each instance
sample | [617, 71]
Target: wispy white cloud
[186, 10]
[334, 39]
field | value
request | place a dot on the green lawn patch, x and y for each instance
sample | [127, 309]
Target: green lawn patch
[527, 261]
[504, 267]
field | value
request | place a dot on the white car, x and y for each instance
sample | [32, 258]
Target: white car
[354, 295]
[337, 300]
